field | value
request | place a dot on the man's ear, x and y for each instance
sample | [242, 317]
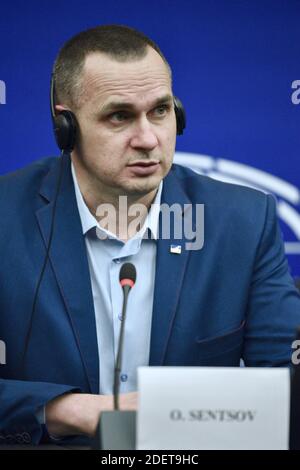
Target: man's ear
[61, 107]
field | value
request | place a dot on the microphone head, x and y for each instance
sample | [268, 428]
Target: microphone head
[127, 275]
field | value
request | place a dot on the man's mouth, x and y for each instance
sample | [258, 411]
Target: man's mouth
[144, 163]
[144, 168]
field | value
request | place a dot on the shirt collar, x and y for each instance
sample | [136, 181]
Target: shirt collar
[88, 221]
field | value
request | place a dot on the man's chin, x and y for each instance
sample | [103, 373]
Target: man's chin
[140, 191]
[141, 186]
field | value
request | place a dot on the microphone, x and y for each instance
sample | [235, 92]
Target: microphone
[117, 429]
[127, 280]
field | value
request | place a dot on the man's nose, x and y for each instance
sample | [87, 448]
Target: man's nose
[144, 136]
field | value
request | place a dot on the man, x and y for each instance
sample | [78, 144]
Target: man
[231, 299]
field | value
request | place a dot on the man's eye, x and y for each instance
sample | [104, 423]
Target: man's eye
[119, 116]
[162, 110]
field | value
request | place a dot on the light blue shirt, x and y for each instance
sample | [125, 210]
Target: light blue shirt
[105, 258]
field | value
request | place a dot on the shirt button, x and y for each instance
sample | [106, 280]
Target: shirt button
[124, 378]
[120, 317]
[117, 261]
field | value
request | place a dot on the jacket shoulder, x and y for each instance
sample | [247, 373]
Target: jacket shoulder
[242, 208]
[34, 169]
[27, 178]
[214, 191]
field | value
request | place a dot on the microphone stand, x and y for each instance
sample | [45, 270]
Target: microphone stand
[117, 429]
[118, 366]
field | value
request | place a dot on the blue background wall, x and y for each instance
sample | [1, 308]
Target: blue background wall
[233, 63]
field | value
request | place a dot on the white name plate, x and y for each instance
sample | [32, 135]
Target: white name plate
[213, 408]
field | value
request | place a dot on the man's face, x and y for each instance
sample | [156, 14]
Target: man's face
[127, 124]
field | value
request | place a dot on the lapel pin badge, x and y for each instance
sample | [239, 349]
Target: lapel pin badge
[175, 249]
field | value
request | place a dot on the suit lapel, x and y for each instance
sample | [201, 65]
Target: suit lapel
[170, 270]
[69, 261]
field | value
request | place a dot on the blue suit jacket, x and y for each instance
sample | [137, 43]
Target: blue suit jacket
[232, 299]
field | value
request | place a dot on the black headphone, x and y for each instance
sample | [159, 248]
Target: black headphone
[65, 124]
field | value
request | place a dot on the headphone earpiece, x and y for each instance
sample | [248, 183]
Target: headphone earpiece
[65, 130]
[64, 124]
[180, 115]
